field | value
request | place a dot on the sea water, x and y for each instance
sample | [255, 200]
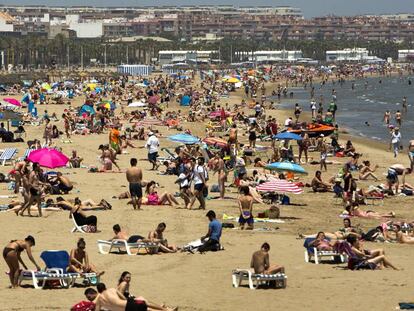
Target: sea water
[361, 110]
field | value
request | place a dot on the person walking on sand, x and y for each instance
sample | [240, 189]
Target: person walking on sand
[134, 177]
[152, 145]
[199, 180]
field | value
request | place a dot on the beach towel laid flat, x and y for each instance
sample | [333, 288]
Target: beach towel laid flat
[256, 220]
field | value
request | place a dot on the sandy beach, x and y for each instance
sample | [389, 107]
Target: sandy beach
[203, 281]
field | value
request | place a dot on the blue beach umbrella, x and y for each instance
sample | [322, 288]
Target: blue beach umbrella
[286, 167]
[184, 139]
[87, 109]
[185, 100]
[287, 136]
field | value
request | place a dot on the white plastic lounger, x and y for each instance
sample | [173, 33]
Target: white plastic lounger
[7, 155]
[319, 255]
[39, 278]
[239, 275]
[105, 247]
[77, 228]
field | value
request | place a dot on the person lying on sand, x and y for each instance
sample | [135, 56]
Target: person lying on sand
[112, 299]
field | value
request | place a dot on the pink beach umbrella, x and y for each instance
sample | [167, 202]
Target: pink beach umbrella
[279, 185]
[12, 101]
[50, 158]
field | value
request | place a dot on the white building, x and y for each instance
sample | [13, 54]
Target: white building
[276, 56]
[6, 22]
[405, 55]
[401, 17]
[351, 55]
[172, 57]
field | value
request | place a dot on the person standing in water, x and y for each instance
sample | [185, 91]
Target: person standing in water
[398, 118]
[387, 117]
[404, 104]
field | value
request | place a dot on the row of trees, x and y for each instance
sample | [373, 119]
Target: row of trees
[36, 51]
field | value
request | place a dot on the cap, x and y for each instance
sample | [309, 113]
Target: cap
[150, 133]
[322, 135]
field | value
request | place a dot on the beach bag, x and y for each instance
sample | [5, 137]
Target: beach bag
[407, 192]
[89, 229]
[215, 188]
[285, 200]
[273, 212]
[406, 306]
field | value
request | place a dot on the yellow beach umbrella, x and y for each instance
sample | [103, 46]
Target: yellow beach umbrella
[233, 80]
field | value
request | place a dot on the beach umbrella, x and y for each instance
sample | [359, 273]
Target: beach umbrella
[286, 167]
[279, 185]
[214, 141]
[184, 139]
[12, 101]
[138, 104]
[219, 113]
[232, 80]
[287, 136]
[87, 109]
[50, 158]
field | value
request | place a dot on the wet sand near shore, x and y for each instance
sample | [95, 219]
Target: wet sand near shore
[203, 282]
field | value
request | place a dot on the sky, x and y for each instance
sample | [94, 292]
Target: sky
[310, 8]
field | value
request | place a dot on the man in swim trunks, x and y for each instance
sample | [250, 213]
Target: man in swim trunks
[64, 184]
[134, 177]
[411, 153]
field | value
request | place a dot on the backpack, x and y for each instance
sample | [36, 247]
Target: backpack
[83, 306]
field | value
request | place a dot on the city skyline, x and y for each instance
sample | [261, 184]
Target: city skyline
[310, 8]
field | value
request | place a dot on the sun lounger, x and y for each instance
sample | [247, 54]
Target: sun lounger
[77, 228]
[56, 266]
[311, 251]
[239, 275]
[7, 155]
[26, 154]
[105, 247]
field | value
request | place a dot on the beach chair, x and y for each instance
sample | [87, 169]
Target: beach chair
[26, 154]
[255, 280]
[56, 265]
[106, 247]
[168, 155]
[78, 228]
[311, 251]
[7, 155]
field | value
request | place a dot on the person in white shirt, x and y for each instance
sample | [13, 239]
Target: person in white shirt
[199, 180]
[288, 122]
[152, 145]
[395, 141]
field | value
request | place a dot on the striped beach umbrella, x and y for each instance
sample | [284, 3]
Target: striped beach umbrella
[279, 185]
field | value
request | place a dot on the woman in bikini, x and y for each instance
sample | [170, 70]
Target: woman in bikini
[11, 254]
[154, 199]
[322, 243]
[76, 212]
[79, 260]
[353, 210]
[123, 284]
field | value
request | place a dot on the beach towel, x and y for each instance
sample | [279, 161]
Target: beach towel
[256, 220]
[83, 306]
[406, 306]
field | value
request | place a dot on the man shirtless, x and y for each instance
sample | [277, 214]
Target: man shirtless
[246, 208]
[158, 237]
[233, 134]
[219, 168]
[411, 153]
[65, 185]
[260, 262]
[134, 177]
[112, 299]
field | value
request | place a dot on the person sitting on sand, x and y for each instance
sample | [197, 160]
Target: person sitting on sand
[122, 235]
[261, 264]
[366, 171]
[318, 185]
[75, 160]
[154, 199]
[245, 203]
[79, 260]
[123, 284]
[365, 259]
[349, 149]
[211, 241]
[112, 299]
[11, 254]
[401, 237]
[156, 236]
